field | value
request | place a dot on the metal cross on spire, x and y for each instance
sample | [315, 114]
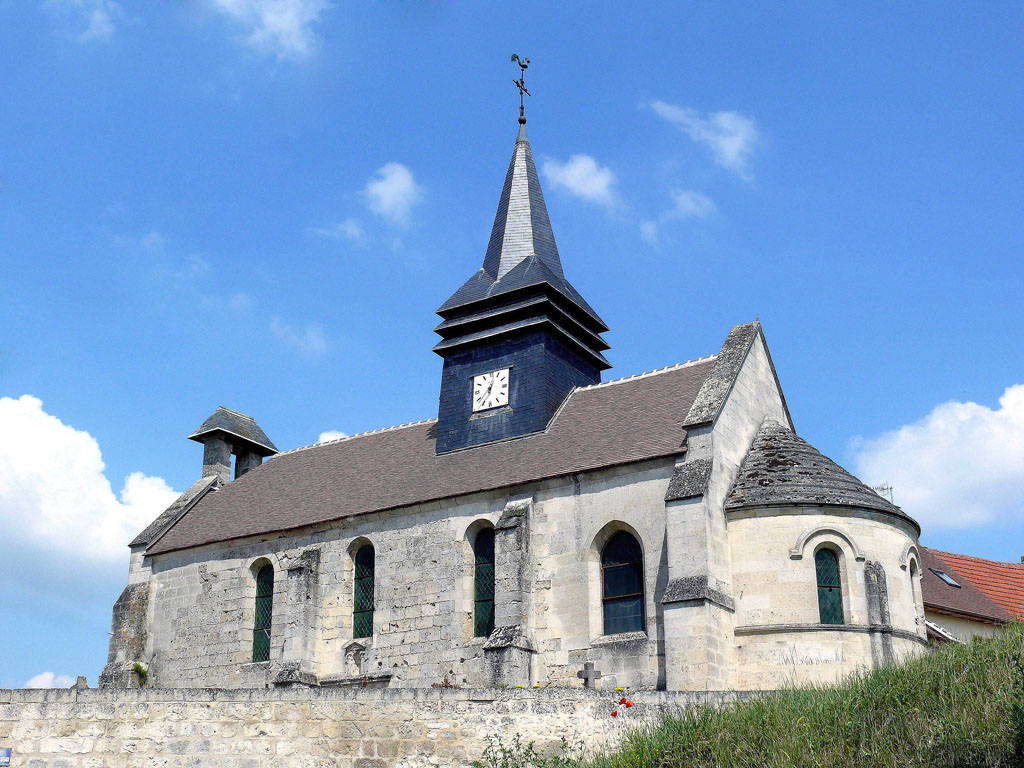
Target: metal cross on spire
[521, 84]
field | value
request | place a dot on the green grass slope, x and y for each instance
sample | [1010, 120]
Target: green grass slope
[962, 705]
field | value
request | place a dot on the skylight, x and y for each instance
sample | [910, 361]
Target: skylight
[945, 577]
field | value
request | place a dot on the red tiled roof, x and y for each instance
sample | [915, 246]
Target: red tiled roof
[966, 600]
[1002, 582]
[603, 425]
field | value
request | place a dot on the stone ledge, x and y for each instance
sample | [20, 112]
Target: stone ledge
[773, 629]
[696, 588]
[623, 638]
[689, 480]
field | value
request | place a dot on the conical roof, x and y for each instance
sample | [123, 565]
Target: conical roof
[521, 283]
[521, 251]
[781, 468]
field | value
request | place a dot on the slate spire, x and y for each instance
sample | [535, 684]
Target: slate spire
[518, 318]
[521, 225]
[522, 258]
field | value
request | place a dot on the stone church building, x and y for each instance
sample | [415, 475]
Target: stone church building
[668, 530]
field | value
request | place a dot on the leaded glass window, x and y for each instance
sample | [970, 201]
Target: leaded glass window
[830, 591]
[622, 581]
[483, 583]
[264, 613]
[362, 603]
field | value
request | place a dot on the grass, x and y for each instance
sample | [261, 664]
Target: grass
[962, 705]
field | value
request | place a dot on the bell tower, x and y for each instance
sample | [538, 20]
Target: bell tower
[516, 338]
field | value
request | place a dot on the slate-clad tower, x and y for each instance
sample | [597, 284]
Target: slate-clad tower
[516, 337]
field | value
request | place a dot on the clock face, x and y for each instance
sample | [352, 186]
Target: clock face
[490, 390]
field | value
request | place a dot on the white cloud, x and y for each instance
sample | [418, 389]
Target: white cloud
[581, 175]
[350, 229]
[961, 465]
[731, 136]
[691, 205]
[649, 231]
[331, 434]
[686, 204]
[280, 28]
[98, 15]
[49, 680]
[54, 496]
[309, 340]
[392, 193]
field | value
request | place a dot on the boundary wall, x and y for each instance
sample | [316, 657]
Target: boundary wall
[311, 727]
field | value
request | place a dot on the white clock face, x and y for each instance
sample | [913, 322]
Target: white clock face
[490, 390]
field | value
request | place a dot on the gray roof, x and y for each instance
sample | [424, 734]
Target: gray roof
[717, 386]
[179, 507]
[603, 425]
[781, 468]
[521, 251]
[238, 425]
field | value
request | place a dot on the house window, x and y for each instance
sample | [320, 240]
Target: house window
[362, 604]
[830, 592]
[483, 583]
[622, 582]
[264, 612]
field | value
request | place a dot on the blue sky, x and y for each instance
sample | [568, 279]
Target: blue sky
[260, 204]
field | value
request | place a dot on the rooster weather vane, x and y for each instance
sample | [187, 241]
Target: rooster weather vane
[521, 83]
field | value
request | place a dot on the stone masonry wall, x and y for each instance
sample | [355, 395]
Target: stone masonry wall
[303, 728]
[202, 602]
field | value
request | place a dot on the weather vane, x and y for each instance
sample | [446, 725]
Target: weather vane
[521, 83]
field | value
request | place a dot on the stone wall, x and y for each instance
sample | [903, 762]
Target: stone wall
[778, 635]
[201, 603]
[302, 727]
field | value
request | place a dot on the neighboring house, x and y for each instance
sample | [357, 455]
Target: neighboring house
[967, 597]
[666, 530]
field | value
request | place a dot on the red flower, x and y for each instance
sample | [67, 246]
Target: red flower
[622, 700]
[629, 703]
[615, 713]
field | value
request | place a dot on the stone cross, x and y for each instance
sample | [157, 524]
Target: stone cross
[589, 675]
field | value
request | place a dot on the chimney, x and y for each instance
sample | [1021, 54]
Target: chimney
[228, 432]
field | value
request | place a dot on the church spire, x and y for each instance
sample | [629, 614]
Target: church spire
[516, 331]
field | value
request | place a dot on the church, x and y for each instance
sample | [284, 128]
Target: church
[664, 531]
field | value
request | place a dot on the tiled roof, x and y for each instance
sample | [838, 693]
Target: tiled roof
[965, 600]
[781, 468]
[599, 426]
[239, 425]
[1002, 582]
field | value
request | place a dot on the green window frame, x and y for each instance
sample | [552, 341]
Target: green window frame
[483, 583]
[264, 613]
[622, 584]
[362, 602]
[830, 588]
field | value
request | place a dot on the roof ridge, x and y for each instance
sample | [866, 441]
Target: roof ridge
[635, 376]
[975, 557]
[353, 437]
[237, 413]
[645, 374]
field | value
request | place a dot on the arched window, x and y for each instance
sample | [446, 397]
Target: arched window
[830, 591]
[483, 583]
[362, 603]
[264, 612]
[622, 580]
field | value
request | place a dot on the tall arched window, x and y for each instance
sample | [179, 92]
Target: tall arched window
[362, 603]
[264, 612]
[830, 590]
[622, 580]
[483, 583]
